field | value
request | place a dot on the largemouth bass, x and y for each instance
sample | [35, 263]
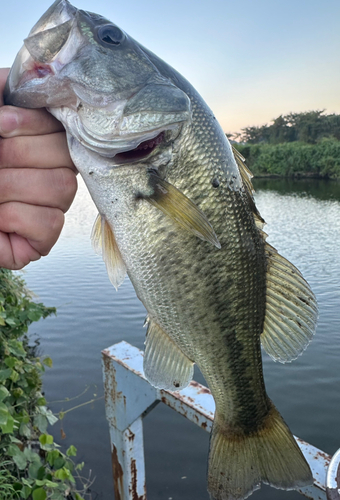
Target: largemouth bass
[176, 213]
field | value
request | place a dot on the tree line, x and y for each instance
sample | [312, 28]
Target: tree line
[296, 144]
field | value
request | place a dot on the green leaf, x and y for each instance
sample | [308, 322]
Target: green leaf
[11, 321]
[52, 419]
[10, 362]
[72, 451]
[4, 414]
[20, 460]
[39, 494]
[33, 470]
[34, 315]
[13, 450]
[56, 495]
[46, 482]
[64, 475]
[46, 439]
[52, 456]
[41, 401]
[16, 348]
[41, 422]
[14, 440]
[3, 392]
[8, 427]
[4, 374]
[32, 456]
[25, 491]
[14, 376]
[59, 462]
[80, 466]
[79, 497]
[48, 362]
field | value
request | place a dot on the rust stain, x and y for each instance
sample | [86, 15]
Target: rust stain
[131, 436]
[117, 474]
[324, 456]
[204, 425]
[201, 388]
[133, 488]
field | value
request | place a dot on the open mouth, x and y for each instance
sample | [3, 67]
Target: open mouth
[35, 71]
[141, 151]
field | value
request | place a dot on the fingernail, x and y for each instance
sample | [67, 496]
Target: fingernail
[9, 121]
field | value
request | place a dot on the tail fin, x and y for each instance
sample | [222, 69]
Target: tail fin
[238, 463]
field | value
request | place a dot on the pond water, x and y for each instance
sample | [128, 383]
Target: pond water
[303, 223]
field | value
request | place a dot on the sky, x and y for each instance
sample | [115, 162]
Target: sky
[251, 60]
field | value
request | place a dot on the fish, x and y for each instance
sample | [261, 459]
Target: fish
[177, 215]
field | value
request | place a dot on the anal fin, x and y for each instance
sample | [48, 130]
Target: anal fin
[291, 309]
[165, 365]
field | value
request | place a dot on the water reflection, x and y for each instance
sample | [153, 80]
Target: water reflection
[318, 189]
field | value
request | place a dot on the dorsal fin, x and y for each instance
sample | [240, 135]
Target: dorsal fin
[291, 309]
[104, 244]
[246, 176]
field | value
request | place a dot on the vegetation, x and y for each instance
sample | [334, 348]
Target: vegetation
[297, 144]
[310, 127]
[31, 465]
[293, 159]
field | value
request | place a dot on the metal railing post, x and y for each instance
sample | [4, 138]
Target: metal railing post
[129, 396]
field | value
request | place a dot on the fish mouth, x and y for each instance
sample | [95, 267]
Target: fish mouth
[36, 71]
[142, 151]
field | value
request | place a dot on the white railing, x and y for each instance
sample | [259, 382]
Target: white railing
[129, 397]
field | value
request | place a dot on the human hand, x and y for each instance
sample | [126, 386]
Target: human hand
[37, 182]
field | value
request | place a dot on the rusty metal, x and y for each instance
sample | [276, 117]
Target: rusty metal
[333, 478]
[129, 397]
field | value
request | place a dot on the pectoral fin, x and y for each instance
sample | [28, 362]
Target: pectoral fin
[165, 365]
[104, 244]
[291, 310]
[180, 208]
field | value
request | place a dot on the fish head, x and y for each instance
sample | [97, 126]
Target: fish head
[99, 82]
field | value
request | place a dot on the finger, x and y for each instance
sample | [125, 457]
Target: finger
[46, 187]
[41, 226]
[42, 151]
[19, 121]
[16, 252]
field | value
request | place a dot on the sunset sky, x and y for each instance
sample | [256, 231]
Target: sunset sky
[251, 60]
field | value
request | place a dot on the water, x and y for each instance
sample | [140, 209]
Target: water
[303, 223]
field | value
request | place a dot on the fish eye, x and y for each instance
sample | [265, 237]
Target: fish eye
[110, 35]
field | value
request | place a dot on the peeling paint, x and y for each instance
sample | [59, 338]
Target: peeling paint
[133, 489]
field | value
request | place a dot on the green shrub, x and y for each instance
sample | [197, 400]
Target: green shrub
[31, 465]
[293, 158]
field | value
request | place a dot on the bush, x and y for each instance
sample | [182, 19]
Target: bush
[31, 465]
[293, 158]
